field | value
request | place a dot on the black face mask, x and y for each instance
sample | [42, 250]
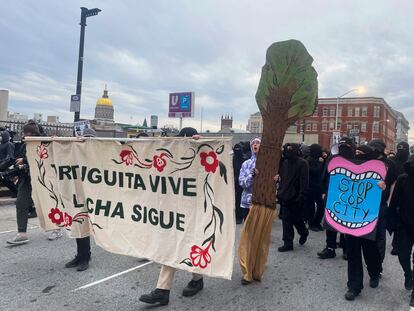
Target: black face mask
[402, 155]
[346, 152]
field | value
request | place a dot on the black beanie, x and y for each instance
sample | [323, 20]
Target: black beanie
[31, 128]
[378, 145]
[187, 132]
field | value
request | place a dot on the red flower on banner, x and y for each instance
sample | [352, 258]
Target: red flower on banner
[159, 162]
[127, 157]
[42, 152]
[200, 257]
[209, 161]
[56, 216]
[68, 220]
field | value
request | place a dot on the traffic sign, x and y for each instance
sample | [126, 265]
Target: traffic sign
[181, 105]
[75, 103]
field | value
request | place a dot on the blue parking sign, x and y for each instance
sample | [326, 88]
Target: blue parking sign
[185, 101]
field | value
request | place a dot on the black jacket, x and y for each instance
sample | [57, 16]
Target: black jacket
[402, 203]
[294, 181]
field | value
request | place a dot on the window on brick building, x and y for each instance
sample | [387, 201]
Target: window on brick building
[375, 127]
[363, 127]
[331, 124]
[349, 126]
[339, 111]
[324, 125]
[315, 113]
[339, 124]
[314, 127]
[356, 113]
[350, 111]
[377, 111]
[364, 111]
[308, 126]
[332, 111]
[325, 111]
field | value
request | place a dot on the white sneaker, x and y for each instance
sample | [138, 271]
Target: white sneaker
[18, 239]
[56, 234]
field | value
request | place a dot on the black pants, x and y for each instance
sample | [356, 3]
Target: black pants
[9, 184]
[23, 202]
[84, 248]
[405, 246]
[356, 247]
[382, 237]
[312, 216]
[331, 240]
[291, 216]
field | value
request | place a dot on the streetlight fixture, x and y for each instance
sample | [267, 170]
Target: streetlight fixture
[372, 128]
[359, 90]
[85, 13]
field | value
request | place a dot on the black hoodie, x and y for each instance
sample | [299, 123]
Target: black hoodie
[402, 203]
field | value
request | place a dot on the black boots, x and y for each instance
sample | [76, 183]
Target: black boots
[303, 238]
[327, 253]
[161, 296]
[193, 287]
[285, 248]
[351, 294]
[412, 299]
[373, 282]
[81, 263]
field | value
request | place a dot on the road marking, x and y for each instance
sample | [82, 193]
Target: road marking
[112, 276]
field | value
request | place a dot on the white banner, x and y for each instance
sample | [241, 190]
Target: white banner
[169, 200]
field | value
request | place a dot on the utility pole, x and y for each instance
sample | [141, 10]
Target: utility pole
[85, 13]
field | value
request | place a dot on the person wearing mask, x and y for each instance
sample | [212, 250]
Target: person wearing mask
[316, 168]
[237, 164]
[291, 194]
[246, 177]
[403, 152]
[346, 149]
[24, 190]
[83, 245]
[378, 145]
[161, 294]
[403, 202]
[358, 247]
[7, 154]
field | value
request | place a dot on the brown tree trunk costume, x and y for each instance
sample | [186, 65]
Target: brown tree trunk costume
[287, 91]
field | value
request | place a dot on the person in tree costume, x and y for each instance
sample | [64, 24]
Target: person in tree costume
[287, 91]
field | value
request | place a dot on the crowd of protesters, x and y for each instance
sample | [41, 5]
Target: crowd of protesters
[301, 185]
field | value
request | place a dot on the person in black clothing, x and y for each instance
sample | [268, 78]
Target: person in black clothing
[83, 254]
[24, 190]
[316, 169]
[346, 148]
[7, 154]
[379, 146]
[237, 163]
[358, 247]
[293, 187]
[403, 202]
[403, 152]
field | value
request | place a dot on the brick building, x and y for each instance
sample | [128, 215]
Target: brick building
[364, 118]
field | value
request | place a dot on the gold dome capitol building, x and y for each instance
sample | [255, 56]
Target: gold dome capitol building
[103, 123]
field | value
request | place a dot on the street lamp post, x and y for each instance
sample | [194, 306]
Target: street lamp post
[379, 132]
[337, 105]
[85, 13]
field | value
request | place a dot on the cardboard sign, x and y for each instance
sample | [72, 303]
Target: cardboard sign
[354, 197]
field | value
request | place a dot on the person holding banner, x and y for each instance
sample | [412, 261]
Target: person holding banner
[161, 294]
[83, 254]
[24, 189]
[402, 201]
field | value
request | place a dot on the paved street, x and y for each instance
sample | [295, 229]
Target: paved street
[33, 277]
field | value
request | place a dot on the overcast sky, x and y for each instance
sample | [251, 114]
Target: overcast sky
[144, 50]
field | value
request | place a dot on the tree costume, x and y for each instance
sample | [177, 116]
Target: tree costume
[287, 91]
